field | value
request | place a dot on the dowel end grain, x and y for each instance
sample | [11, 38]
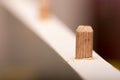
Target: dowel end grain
[84, 42]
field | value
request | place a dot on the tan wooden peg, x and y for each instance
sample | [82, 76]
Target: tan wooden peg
[84, 42]
[44, 9]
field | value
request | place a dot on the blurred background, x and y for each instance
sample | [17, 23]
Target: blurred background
[103, 15]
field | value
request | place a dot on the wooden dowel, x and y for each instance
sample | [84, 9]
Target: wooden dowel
[84, 42]
[44, 9]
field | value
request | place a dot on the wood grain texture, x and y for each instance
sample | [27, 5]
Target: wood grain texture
[84, 42]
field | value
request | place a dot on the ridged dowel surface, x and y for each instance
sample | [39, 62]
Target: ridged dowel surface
[84, 42]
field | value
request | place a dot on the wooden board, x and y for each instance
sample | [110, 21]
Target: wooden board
[61, 39]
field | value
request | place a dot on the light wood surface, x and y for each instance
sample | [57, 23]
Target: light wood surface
[63, 43]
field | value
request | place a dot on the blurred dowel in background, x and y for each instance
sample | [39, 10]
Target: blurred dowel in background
[45, 9]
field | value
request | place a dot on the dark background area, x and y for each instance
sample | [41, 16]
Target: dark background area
[107, 28]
